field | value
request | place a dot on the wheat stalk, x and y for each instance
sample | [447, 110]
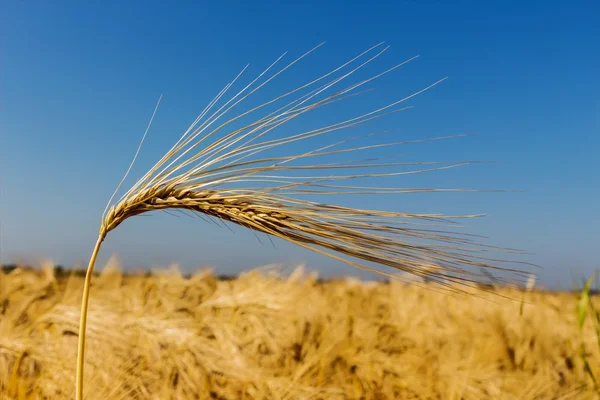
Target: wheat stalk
[223, 178]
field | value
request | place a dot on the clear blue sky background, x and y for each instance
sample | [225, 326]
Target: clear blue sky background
[79, 81]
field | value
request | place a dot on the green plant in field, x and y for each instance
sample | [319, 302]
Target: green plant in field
[227, 177]
[585, 308]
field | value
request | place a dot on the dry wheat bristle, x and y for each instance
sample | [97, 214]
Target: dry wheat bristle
[198, 172]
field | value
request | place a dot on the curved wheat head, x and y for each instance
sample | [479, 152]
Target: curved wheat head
[219, 170]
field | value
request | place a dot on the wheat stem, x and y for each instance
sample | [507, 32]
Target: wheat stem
[83, 319]
[202, 172]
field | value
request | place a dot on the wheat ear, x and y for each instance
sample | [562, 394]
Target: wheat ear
[222, 177]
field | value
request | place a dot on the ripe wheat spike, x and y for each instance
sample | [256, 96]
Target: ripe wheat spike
[216, 170]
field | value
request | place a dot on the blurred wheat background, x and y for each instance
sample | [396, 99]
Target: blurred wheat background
[269, 335]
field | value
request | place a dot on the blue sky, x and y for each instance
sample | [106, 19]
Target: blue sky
[79, 83]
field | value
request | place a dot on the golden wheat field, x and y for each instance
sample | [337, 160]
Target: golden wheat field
[268, 336]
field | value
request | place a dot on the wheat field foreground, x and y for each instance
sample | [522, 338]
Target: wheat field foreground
[263, 336]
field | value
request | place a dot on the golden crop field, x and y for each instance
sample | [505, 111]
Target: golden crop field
[264, 336]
